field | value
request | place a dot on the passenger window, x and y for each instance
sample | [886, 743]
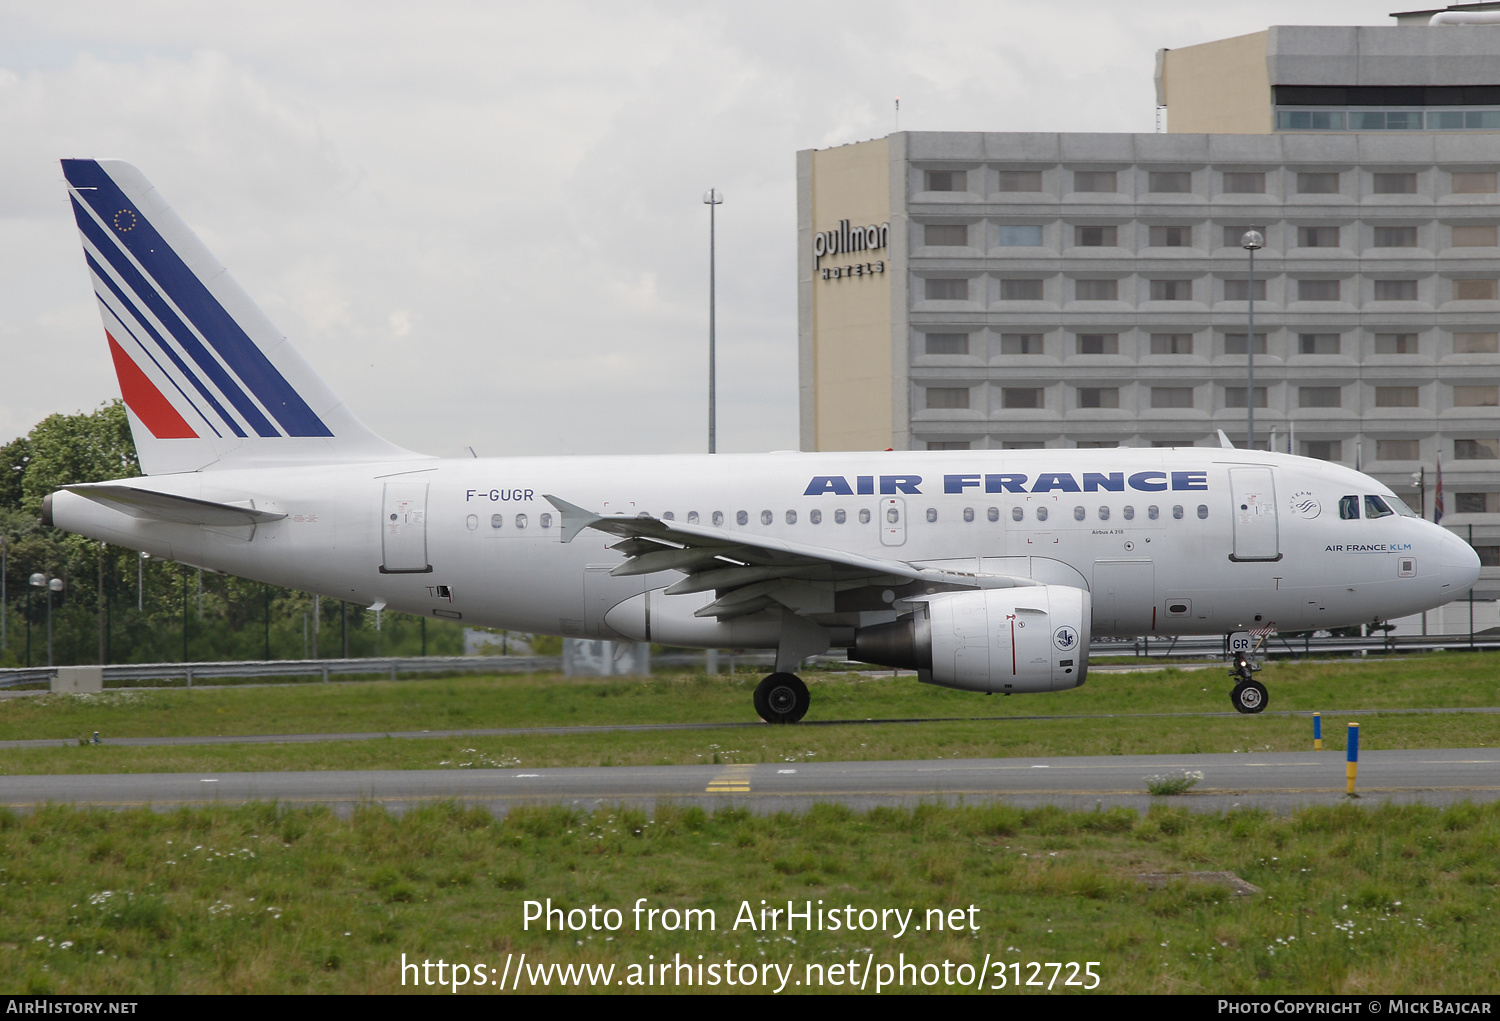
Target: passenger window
[864, 516]
[1177, 512]
[741, 517]
[1016, 513]
[1203, 510]
[472, 521]
[1153, 512]
[1128, 512]
[766, 517]
[520, 520]
[718, 517]
[546, 521]
[1041, 514]
[994, 514]
[839, 517]
[791, 517]
[665, 516]
[1375, 507]
[1103, 513]
[497, 520]
[968, 513]
[692, 517]
[931, 513]
[893, 515]
[1079, 513]
[815, 516]
[1349, 508]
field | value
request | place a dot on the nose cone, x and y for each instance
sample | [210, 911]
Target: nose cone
[1460, 565]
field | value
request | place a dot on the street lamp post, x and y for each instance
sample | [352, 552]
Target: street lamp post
[50, 585]
[713, 198]
[1251, 240]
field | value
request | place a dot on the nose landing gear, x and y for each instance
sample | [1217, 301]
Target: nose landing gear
[1249, 695]
[782, 698]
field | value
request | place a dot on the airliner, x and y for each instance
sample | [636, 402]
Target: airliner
[983, 570]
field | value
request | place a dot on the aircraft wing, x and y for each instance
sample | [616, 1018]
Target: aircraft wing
[750, 572]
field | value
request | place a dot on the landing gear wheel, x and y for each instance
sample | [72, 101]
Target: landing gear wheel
[782, 698]
[1249, 697]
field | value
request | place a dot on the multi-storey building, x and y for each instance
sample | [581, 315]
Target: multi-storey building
[1007, 290]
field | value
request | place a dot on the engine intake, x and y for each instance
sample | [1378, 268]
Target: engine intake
[1005, 640]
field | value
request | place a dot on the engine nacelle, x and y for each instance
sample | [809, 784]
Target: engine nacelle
[1005, 640]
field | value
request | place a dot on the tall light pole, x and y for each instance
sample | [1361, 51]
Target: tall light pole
[1251, 240]
[50, 585]
[713, 198]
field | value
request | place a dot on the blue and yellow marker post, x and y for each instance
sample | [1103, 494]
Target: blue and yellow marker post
[1317, 732]
[1352, 767]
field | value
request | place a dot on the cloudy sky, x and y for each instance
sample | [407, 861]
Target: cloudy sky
[483, 222]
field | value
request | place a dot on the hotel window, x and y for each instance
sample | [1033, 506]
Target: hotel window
[1022, 397]
[1395, 184]
[1234, 343]
[1397, 397]
[1476, 236]
[1395, 237]
[941, 445]
[1020, 290]
[1020, 180]
[1482, 183]
[1476, 343]
[1171, 290]
[1318, 343]
[1319, 290]
[1323, 450]
[1170, 237]
[1476, 396]
[1317, 237]
[1171, 343]
[1397, 450]
[948, 289]
[945, 398]
[951, 235]
[1094, 180]
[1232, 235]
[1244, 183]
[1098, 397]
[1171, 397]
[1395, 290]
[1095, 237]
[1096, 290]
[1487, 449]
[1234, 397]
[1098, 343]
[1239, 290]
[947, 180]
[1474, 290]
[1395, 343]
[1169, 182]
[1026, 445]
[1096, 445]
[1020, 235]
[1476, 503]
[1317, 184]
[1020, 343]
[1319, 396]
[947, 343]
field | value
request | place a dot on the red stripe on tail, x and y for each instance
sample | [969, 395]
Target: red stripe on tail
[143, 398]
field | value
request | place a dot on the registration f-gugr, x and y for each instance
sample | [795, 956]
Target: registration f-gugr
[981, 570]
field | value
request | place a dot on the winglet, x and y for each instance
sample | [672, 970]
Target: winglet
[1224, 441]
[574, 518]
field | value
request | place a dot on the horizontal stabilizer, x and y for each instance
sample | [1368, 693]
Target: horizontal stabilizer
[143, 503]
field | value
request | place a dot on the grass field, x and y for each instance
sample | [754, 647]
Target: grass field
[379, 706]
[252, 899]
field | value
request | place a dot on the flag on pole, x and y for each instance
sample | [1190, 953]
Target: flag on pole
[1437, 503]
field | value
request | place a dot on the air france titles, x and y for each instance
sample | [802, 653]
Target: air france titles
[845, 239]
[1012, 482]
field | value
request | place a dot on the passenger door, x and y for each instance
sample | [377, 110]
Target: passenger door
[403, 528]
[1255, 530]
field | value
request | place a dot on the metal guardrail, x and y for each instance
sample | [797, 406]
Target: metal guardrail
[191, 674]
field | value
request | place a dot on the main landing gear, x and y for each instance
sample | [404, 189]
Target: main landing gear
[782, 698]
[1249, 695]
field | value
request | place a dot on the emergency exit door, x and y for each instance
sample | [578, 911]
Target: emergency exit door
[893, 521]
[403, 528]
[1255, 534]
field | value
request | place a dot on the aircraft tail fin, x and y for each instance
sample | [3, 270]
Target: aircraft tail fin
[208, 380]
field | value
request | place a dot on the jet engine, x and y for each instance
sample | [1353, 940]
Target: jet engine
[1005, 640]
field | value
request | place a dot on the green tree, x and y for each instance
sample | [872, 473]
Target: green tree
[66, 449]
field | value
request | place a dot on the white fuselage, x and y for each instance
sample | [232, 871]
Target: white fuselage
[1167, 541]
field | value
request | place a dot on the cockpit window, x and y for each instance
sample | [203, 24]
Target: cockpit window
[1399, 506]
[1375, 507]
[1349, 508]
